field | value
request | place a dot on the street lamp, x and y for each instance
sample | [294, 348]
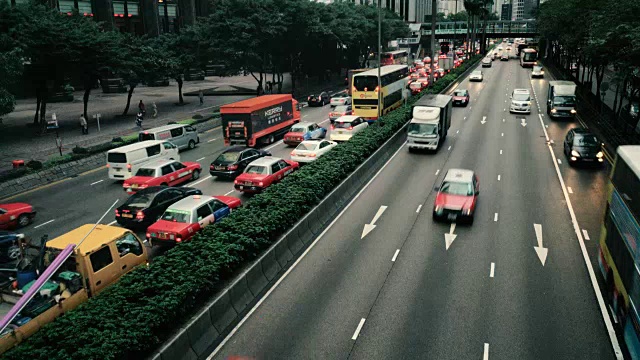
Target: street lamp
[379, 59]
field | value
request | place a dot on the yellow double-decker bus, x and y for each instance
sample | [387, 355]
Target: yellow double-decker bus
[365, 87]
[619, 254]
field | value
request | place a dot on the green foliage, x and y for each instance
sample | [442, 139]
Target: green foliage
[34, 165]
[132, 317]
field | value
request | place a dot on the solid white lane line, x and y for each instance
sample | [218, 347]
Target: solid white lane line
[585, 234]
[43, 224]
[96, 182]
[498, 177]
[202, 158]
[495, 217]
[437, 172]
[360, 325]
[449, 147]
[201, 180]
[594, 282]
[569, 190]
[230, 192]
[111, 223]
[493, 269]
[393, 259]
[559, 161]
[485, 356]
[293, 266]
[419, 207]
[274, 145]
[212, 140]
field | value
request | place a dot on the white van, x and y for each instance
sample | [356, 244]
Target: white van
[125, 161]
[181, 135]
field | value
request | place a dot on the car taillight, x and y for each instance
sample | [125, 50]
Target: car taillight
[312, 155]
[293, 153]
[260, 183]
[139, 215]
[108, 166]
[178, 239]
[319, 98]
[117, 212]
[148, 235]
[350, 128]
[232, 167]
[129, 167]
[211, 167]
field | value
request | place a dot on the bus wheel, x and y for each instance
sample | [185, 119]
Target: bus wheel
[271, 139]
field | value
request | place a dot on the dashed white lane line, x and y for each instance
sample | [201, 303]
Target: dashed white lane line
[449, 147]
[457, 131]
[500, 151]
[111, 223]
[569, 189]
[229, 192]
[485, 356]
[44, 223]
[202, 158]
[360, 325]
[495, 217]
[559, 161]
[201, 180]
[585, 234]
[96, 182]
[504, 120]
[493, 270]
[498, 177]
[419, 207]
[501, 134]
[304, 116]
[212, 140]
[437, 172]
[323, 121]
[393, 259]
[274, 145]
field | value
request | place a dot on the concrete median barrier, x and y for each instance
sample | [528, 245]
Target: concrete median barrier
[283, 254]
[240, 294]
[178, 349]
[270, 266]
[294, 243]
[304, 233]
[256, 280]
[222, 313]
[200, 332]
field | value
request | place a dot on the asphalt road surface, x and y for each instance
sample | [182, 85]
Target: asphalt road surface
[398, 293]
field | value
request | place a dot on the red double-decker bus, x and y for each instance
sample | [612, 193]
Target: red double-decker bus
[398, 57]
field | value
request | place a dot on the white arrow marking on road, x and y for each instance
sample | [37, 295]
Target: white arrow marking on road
[541, 251]
[369, 227]
[448, 238]
[484, 120]
[523, 122]
[585, 234]
[503, 120]
[485, 356]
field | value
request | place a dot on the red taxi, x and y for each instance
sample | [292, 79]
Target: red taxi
[457, 196]
[162, 172]
[419, 85]
[185, 218]
[15, 215]
[263, 172]
[304, 131]
[461, 97]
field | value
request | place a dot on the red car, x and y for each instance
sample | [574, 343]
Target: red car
[186, 217]
[263, 172]
[457, 196]
[417, 86]
[304, 131]
[162, 172]
[461, 97]
[15, 215]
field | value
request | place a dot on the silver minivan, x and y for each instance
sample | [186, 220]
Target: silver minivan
[181, 135]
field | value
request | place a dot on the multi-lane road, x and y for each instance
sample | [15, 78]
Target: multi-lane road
[399, 293]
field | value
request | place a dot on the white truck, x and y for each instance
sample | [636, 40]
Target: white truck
[430, 122]
[561, 99]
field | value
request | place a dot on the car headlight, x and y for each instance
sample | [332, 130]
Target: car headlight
[528, 103]
[573, 111]
[575, 153]
[466, 211]
[554, 111]
[438, 210]
[599, 154]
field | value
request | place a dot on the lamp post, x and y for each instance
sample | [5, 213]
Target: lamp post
[379, 58]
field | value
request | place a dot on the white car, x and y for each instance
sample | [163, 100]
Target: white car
[340, 99]
[346, 126]
[486, 62]
[520, 101]
[537, 72]
[309, 150]
[476, 75]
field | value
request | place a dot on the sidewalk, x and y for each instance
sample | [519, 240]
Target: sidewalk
[18, 139]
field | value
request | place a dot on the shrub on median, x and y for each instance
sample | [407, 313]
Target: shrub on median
[132, 317]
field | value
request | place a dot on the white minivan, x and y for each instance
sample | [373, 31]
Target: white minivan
[181, 135]
[124, 162]
[346, 126]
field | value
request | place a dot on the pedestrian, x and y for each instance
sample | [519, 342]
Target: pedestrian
[141, 107]
[155, 109]
[139, 119]
[83, 125]
[201, 96]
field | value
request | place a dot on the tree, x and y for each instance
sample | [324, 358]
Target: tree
[10, 70]
[177, 53]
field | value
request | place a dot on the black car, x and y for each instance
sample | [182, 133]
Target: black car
[147, 205]
[319, 100]
[581, 145]
[232, 161]
[9, 246]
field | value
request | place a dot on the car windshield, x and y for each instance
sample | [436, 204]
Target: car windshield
[564, 100]
[342, 125]
[459, 93]
[139, 200]
[341, 108]
[521, 97]
[228, 157]
[146, 172]
[422, 129]
[537, 68]
[585, 140]
[307, 146]
[256, 169]
[298, 129]
[457, 188]
[476, 73]
[176, 216]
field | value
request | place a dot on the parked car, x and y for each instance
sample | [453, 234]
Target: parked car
[457, 196]
[162, 172]
[147, 205]
[263, 172]
[310, 150]
[185, 218]
[16, 215]
[340, 110]
[304, 131]
[320, 99]
[10, 246]
[347, 126]
[340, 99]
[581, 145]
[461, 97]
[476, 75]
[232, 162]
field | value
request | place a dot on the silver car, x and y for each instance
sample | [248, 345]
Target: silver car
[537, 72]
[340, 99]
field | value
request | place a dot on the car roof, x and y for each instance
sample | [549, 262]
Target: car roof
[347, 118]
[265, 161]
[305, 123]
[152, 190]
[521, 91]
[191, 202]
[101, 235]
[341, 94]
[157, 164]
[459, 175]
[235, 149]
[582, 131]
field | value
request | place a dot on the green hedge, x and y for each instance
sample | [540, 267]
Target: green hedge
[134, 316]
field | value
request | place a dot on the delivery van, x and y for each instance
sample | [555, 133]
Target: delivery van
[124, 162]
[181, 135]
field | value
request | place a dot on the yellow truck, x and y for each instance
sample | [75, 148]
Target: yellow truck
[105, 254]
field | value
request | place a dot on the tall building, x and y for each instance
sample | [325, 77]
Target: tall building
[505, 13]
[450, 6]
[412, 11]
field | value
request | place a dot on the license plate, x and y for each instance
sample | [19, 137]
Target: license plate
[452, 216]
[134, 186]
[339, 132]
[162, 235]
[219, 167]
[587, 159]
[302, 155]
[117, 169]
[247, 183]
[130, 216]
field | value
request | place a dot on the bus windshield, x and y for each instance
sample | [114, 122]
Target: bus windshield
[365, 83]
[529, 56]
